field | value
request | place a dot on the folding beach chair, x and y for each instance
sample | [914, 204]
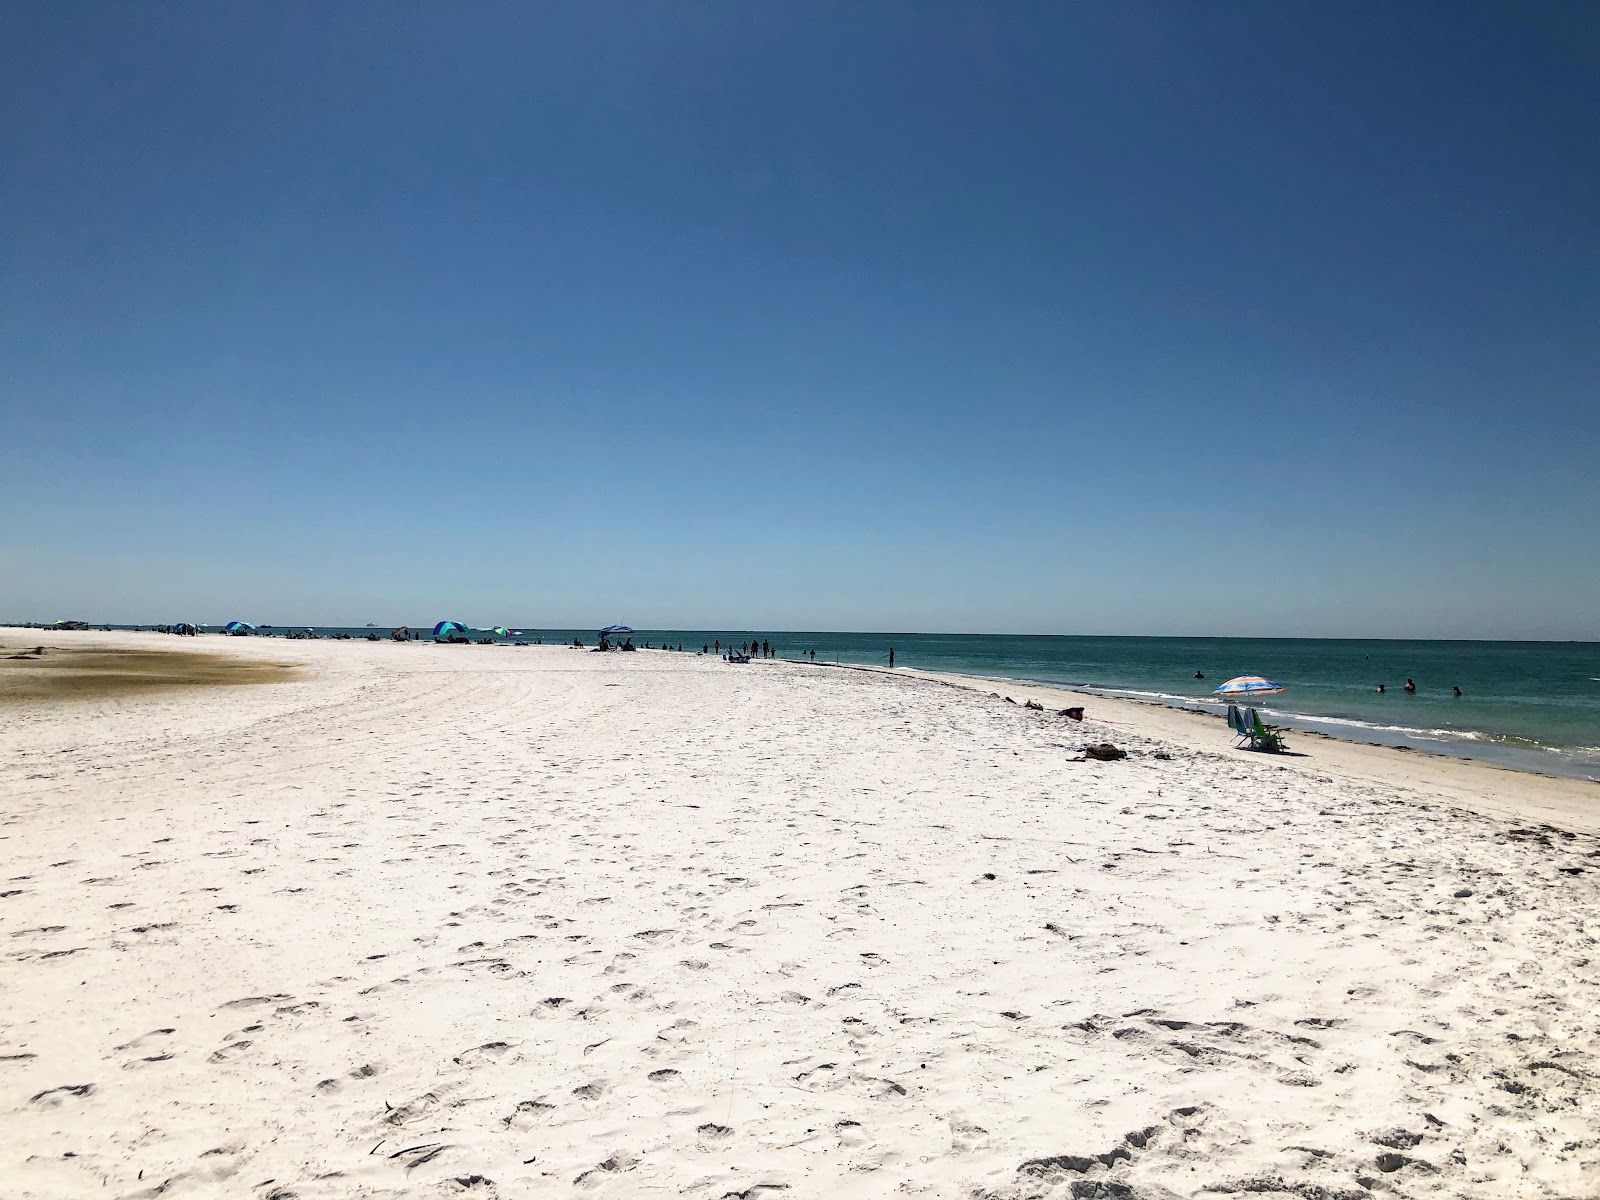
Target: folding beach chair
[1263, 737]
[1236, 723]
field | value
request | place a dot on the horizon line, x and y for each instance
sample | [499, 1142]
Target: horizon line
[137, 625]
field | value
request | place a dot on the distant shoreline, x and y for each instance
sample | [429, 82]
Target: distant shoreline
[216, 627]
[1530, 706]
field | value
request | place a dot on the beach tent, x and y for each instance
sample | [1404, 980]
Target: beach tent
[239, 628]
[451, 631]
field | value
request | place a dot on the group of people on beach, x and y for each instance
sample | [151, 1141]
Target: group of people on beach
[751, 649]
[1411, 688]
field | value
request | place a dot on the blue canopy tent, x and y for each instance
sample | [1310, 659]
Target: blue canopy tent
[239, 628]
[610, 634]
[451, 631]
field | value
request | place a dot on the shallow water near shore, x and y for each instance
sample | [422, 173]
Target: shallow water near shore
[1527, 705]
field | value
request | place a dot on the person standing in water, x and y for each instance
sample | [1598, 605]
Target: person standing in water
[1381, 689]
[1411, 685]
[1455, 689]
[891, 658]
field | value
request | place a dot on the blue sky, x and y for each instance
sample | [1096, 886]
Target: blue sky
[1137, 318]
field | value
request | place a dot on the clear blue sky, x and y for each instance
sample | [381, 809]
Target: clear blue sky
[1103, 318]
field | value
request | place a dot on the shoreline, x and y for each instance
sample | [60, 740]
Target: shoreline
[1566, 745]
[1566, 801]
[1481, 785]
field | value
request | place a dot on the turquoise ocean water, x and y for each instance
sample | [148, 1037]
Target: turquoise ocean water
[1529, 705]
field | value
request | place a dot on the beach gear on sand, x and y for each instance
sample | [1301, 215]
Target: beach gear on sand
[1104, 751]
[1236, 723]
[1263, 737]
[1252, 732]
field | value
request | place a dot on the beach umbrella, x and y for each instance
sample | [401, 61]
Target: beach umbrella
[1248, 685]
[500, 631]
[238, 627]
[446, 628]
[617, 629]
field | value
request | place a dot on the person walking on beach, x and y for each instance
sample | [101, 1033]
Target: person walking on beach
[891, 658]
[766, 648]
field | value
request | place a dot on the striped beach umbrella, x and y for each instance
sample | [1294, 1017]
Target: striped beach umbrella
[500, 631]
[1248, 685]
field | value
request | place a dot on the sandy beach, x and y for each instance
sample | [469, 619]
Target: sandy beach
[425, 921]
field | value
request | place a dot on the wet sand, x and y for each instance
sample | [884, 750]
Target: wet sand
[52, 668]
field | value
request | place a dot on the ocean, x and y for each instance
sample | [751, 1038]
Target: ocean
[1527, 705]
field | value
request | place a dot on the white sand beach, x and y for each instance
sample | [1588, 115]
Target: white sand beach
[515, 922]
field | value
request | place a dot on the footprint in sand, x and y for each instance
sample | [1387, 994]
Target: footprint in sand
[597, 1174]
[966, 1135]
[487, 1052]
[851, 1134]
[231, 1051]
[56, 1096]
[527, 1114]
[147, 1048]
[252, 1001]
[412, 1109]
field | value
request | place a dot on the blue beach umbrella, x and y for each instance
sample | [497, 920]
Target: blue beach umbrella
[617, 629]
[239, 627]
[1249, 685]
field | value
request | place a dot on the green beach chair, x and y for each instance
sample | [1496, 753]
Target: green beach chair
[1264, 737]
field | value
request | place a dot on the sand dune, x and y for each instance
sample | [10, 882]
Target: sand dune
[523, 922]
